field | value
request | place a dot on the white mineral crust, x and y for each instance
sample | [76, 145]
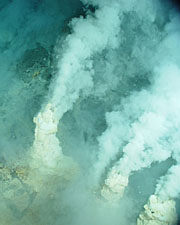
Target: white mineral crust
[46, 148]
[114, 186]
[158, 212]
[47, 160]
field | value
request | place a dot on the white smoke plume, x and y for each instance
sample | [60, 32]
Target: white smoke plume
[90, 36]
[169, 186]
[152, 131]
[75, 72]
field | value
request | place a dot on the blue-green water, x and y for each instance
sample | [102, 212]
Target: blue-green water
[123, 89]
